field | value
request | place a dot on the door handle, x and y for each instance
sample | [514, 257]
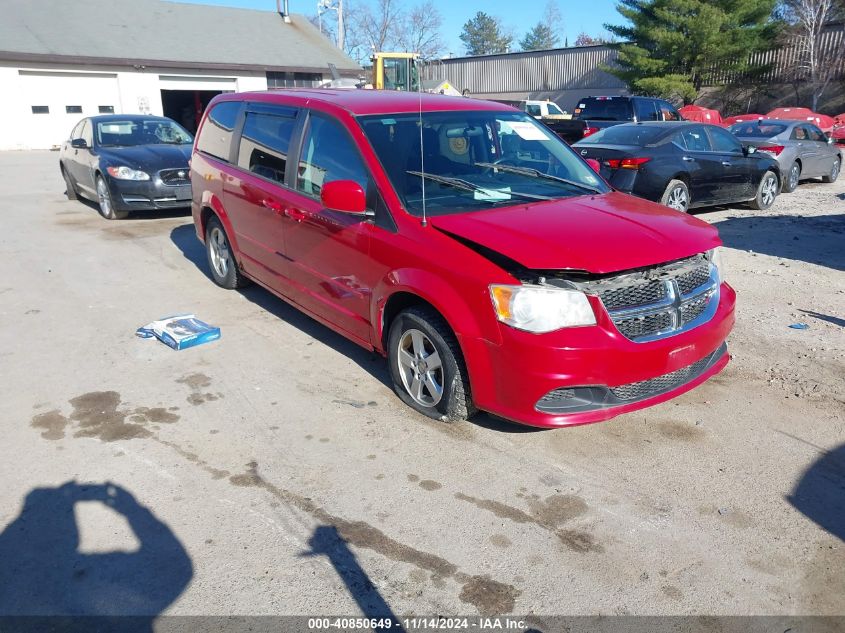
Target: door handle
[272, 205]
[295, 214]
[689, 159]
[727, 163]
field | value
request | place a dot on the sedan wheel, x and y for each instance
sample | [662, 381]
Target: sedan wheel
[767, 191]
[792, 178]
[107, 209]
[834, 172]
[676, 196]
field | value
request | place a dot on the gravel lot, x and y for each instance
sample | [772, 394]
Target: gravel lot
[280, 475]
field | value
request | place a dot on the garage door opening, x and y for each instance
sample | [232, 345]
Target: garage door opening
[186, 106]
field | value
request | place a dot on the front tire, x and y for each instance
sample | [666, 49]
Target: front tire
[427, 367]
[104, 199]
[767, 191]
[792, 178]
[834, 171]
[676, 196]
[221, 259]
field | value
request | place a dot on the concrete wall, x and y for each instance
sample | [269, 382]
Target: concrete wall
[128, 90]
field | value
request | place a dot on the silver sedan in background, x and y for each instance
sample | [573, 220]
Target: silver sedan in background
[801, 149]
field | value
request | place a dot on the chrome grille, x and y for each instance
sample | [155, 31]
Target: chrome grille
[666, 382]
[175, 177]
[661, 301]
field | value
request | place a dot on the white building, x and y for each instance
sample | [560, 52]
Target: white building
[61, 61]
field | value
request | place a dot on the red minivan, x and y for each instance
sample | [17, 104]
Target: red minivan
[465, 242]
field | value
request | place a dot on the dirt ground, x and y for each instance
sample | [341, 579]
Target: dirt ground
[275, 472]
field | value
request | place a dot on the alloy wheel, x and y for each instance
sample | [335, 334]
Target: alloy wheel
[678, 199]
[420, 368]
[103, 198]
[834, 171]
[794, 174]
[768, 189]
[218, 247]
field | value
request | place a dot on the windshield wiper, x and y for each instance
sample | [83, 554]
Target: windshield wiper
[530, 171]
[459, 183]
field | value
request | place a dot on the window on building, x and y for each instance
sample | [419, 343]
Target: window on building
[264, 143]
[41, 109]
[293, 80]
[73, 109]
[106, 109]
[216, 134]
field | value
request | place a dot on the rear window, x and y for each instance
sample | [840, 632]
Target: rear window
[216, 135]
[756, 130]
[605, 109]
[625, 135]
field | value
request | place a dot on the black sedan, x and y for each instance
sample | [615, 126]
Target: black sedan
[683, 164]
[127, 163]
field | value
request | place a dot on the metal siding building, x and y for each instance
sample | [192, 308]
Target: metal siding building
[561, 74]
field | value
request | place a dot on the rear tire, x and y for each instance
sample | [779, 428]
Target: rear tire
[221, 259]
[70, 186]
[767, 192]
[792, 178]
[834, 171]
[107, 209]
[676, 196]
[427, 367]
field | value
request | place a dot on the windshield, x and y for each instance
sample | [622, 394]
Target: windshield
[605, 109]
[756, 129]
[141, 132]
[633, 134]
[475, 160]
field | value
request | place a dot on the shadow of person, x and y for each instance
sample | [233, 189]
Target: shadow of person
[43, 573]
[820, 493]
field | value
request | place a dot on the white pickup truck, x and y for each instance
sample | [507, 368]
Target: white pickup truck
[543, 110]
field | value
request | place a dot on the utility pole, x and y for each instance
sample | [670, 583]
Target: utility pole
[340, 38]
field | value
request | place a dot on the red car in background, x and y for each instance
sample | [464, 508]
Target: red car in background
[466, 243]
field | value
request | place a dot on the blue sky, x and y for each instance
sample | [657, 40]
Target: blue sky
[578, 16]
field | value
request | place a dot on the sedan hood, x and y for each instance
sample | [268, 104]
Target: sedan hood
[149, 158]
[598, 234]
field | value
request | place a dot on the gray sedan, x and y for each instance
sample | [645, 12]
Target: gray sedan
[801, 149]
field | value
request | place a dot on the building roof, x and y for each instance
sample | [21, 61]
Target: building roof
[360, 102]
[170, 34]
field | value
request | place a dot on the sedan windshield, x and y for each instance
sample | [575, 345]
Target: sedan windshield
[757, 129]
[453, 162]
[141, 132]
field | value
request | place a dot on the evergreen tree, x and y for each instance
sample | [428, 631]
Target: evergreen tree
[484, 35]
[541, 36]
[674, 44]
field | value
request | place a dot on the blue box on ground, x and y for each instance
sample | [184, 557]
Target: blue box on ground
[180, 331]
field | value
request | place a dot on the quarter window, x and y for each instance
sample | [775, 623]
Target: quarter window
[265, 142]
[328, 154]
[216, 135]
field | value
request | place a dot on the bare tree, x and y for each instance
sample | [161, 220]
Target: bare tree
[378, 26]
[420, 30]
[814, 65]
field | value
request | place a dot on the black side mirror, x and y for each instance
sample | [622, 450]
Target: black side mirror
[79, 143]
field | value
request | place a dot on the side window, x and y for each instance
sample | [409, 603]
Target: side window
[533, 109]
[680, 140]
[216, 136]
[798, 133]
[77, 130]
[264, 143]
[695, 138]
[328, 154]
[815, 134]
[87, 132]
[724, 141]
[645, 110]
[667, 111]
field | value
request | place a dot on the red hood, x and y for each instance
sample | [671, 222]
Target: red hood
[599, 234]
